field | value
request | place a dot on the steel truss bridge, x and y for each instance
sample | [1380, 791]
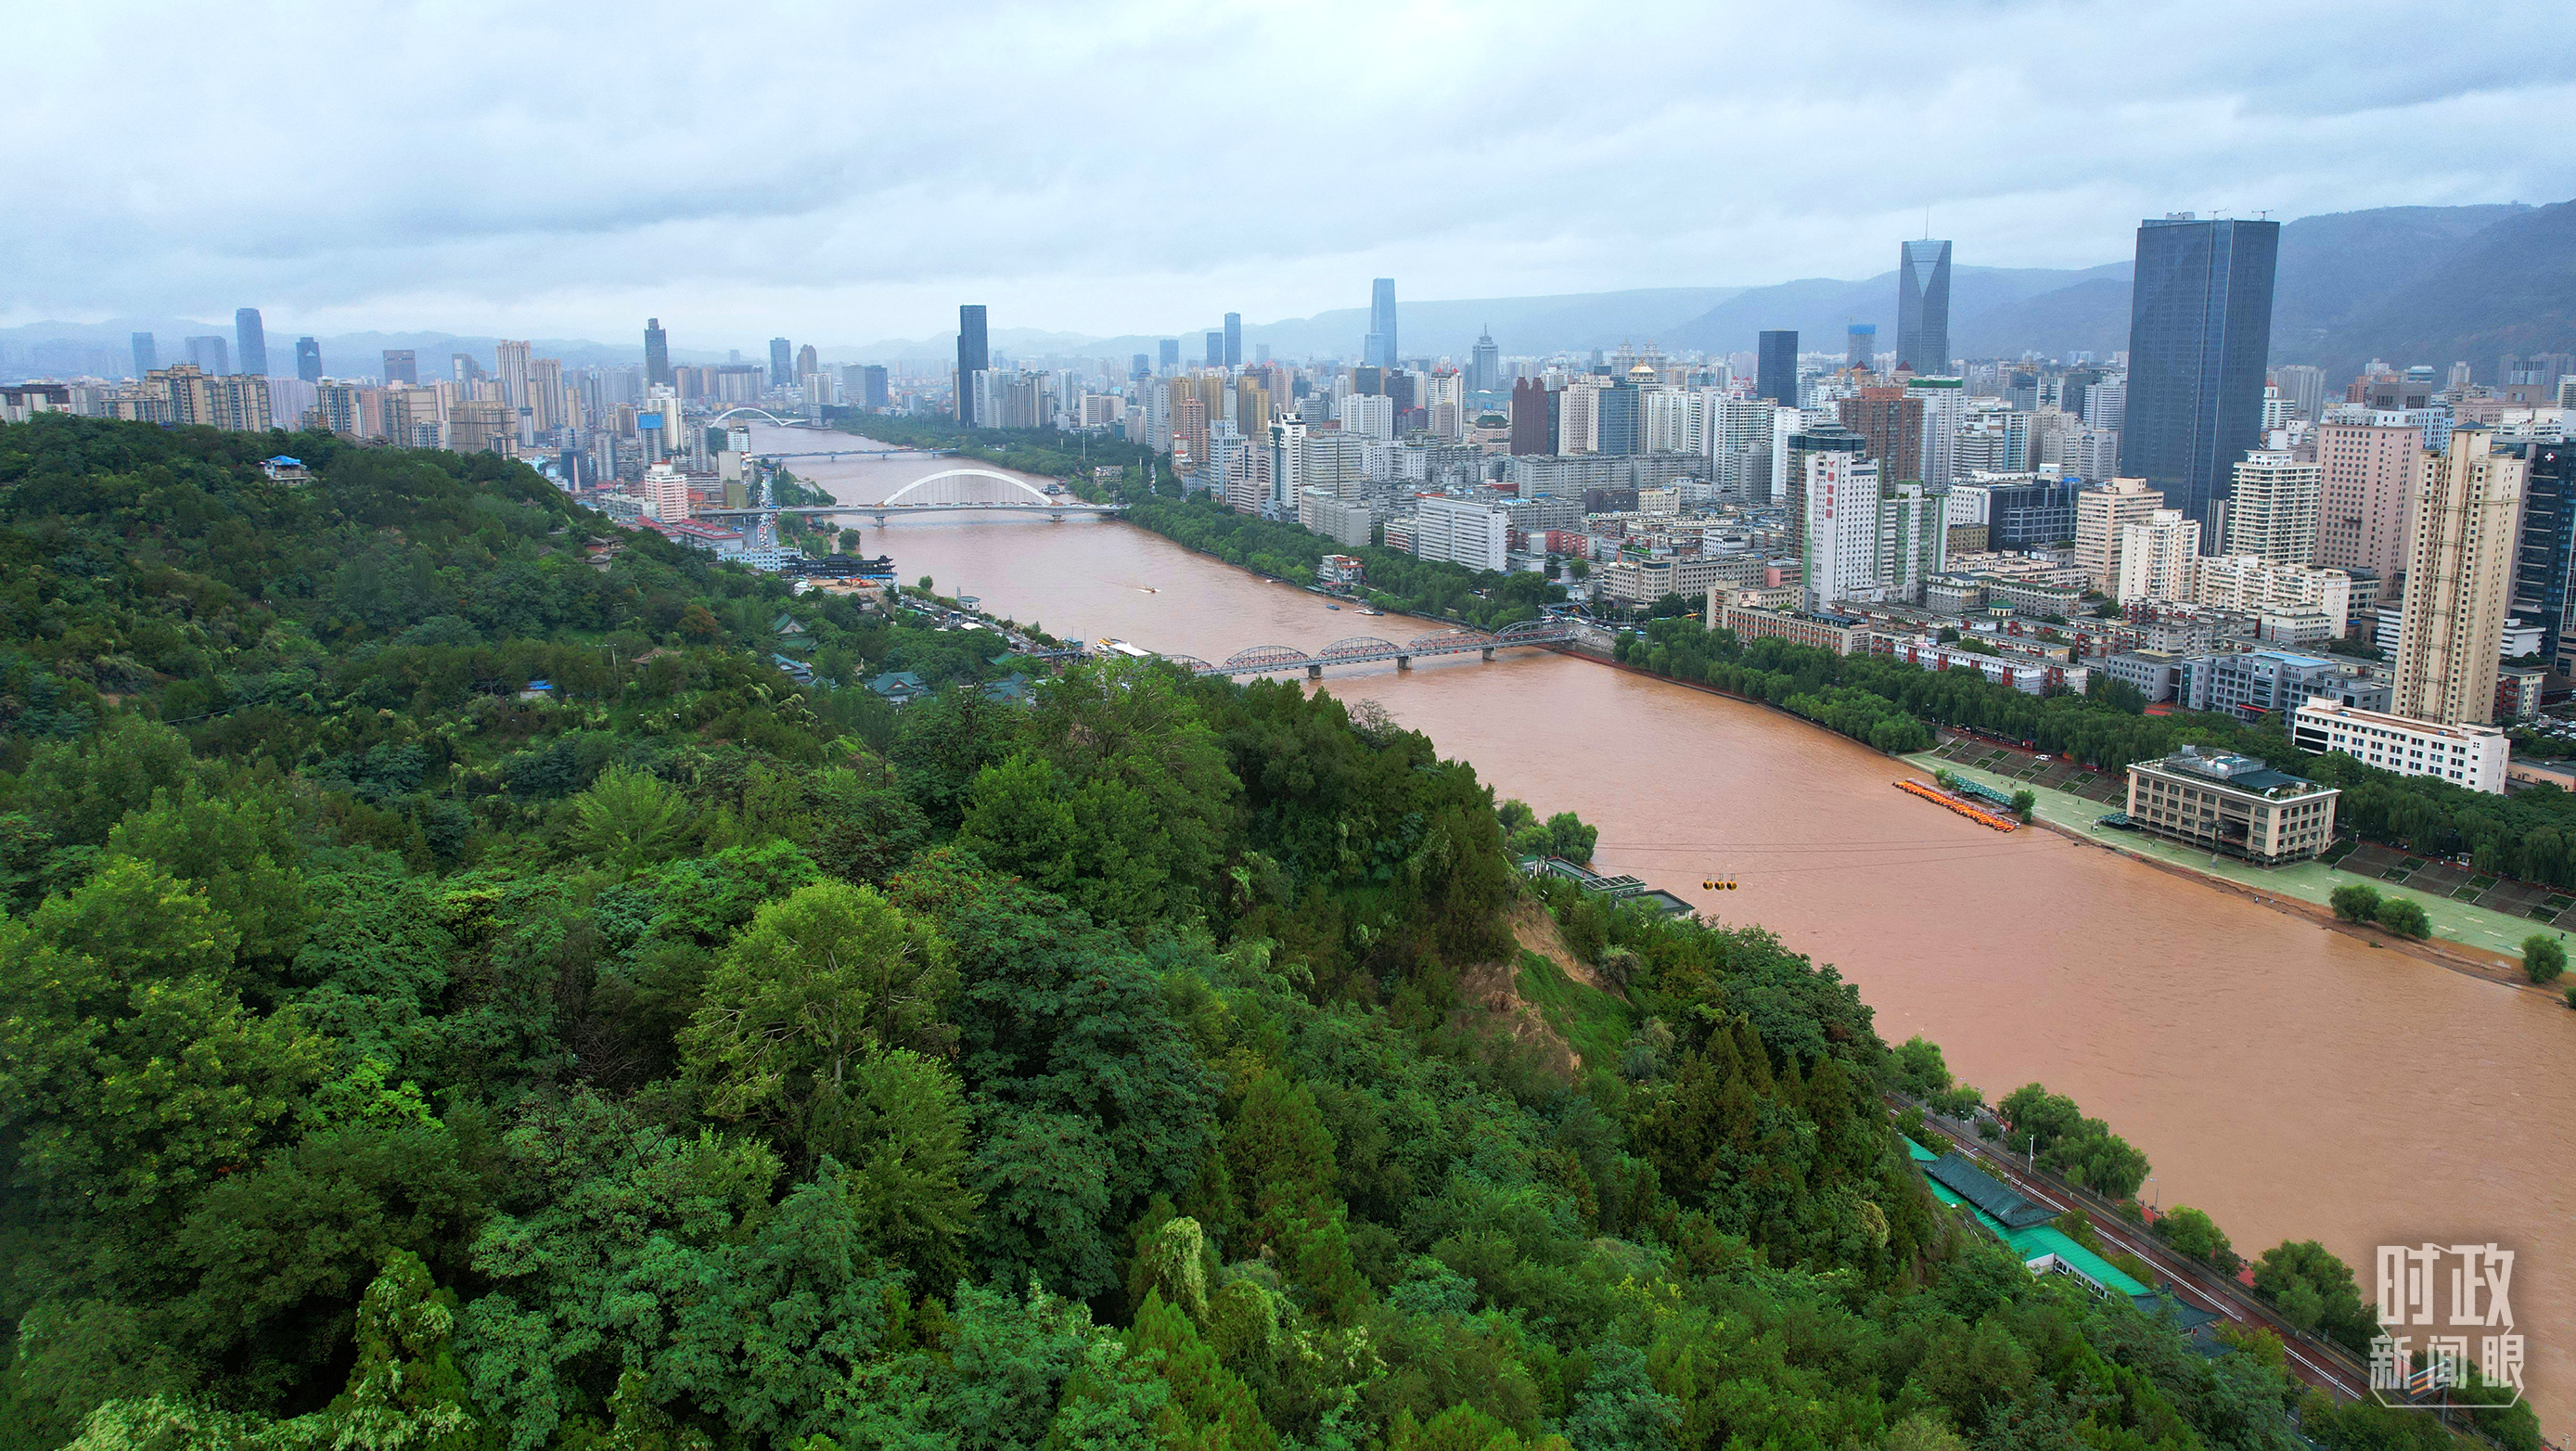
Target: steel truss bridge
[1366, 649]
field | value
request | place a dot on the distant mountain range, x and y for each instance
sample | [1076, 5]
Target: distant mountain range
[2405, 284]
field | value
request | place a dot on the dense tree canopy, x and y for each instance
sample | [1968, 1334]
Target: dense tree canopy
[686, 1057]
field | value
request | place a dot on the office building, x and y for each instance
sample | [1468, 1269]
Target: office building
[1461, 531]
[1369, 416]
[1347, 522]
[2232, 804]
[2305, 389]
[211, 355]
[2547, 552]
[308, 360]
[657, 353]
[2100, 516]
[1233, 340]
[253, 339]
[1860, 347]
[872, 386]
[401, 366]
[808, 362]
[2029, 513]
[2459, 577]
[781, 369]
[2272, 507]
[2200, 331]
[973, 357]
[2473, 756]
[1892, 420]
[1923, 307]
[1169, 350]
[1616, 420]
[1533, 416]
[1839, 543]
[1485, 366]
[1380, 349]
[147, 355]
[1945, 414]
[1775, 367]
[2157, 560]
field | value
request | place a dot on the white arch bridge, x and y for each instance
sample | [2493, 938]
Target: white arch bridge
[951, 491]
[1364, 649]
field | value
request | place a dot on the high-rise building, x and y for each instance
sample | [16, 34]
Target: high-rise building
[2459, 578]
[1533, 416]
[1216, 349]
[401, 367]
[1839, 547]
[781, 369]
[1945, 413]
[1170, 350]
[2200, 330]
[1485, 365]
[1775, 369]
[1861, 341]
[2159, 559]
[2305, 387]
[253, 339]
[657, 353]
[2546, 556]
[1923, 306]
[1892, 420]
[2100, 517]
[1140, 366]
[973, 357]
[1234, 343]
[308, 359]
[211, 355]
[1913, 537]
[465, 368]
[1461, 531]
[147, 355]
[808, 362]
[1380, 351]
[2272, 510]
[1616, 419]
[2368, 466]
[872, 383]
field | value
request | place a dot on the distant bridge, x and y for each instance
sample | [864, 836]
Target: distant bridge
[1364, 649]
[952, 491]
[866, 454]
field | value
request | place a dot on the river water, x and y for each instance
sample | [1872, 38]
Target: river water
[2291, 1081]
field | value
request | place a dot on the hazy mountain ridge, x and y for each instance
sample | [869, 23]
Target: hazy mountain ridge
[2407, 284]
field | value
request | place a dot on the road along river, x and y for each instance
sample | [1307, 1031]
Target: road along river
[2292, 1081]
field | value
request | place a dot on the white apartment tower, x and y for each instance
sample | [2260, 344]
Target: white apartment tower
[1841, 545]
[2100, 516]
[2273, 510]
[2459, 576]
[2158, 558]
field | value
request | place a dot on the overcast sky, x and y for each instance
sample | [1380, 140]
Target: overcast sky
[850, 172]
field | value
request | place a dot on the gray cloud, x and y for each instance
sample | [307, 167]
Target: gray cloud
[850, 172]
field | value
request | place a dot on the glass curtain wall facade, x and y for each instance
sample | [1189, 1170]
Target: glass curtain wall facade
[1923, 307]
[2200, 333]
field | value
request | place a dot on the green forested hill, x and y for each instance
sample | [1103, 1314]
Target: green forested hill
[392, 1057]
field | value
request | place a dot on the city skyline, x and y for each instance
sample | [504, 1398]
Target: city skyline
[849, 235]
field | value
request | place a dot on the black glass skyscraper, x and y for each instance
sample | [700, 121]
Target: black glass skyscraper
[2200, 331]
[2547, 550]
[782, 370]
[1381, 349]
[1216, 350]
[1170, 351]
[308, 360]
[253, 341]
[1234, 340]
[657, 352]
[1923, 308]
[973, 357]
[1775, 374]
[147, 354]
[402, 365]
